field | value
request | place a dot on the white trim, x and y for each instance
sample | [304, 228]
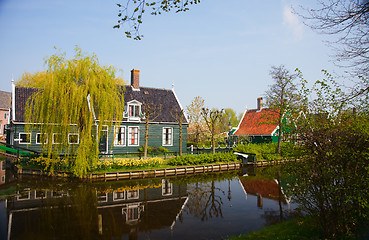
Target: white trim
[20, 139]
[119, 199]
[135, 196]
[184, 112]
[38, 134]
[164, 183]
[239, 124]
[276, 129]
[124, 133]
[171, 135]
[70, 134]
[129, 138]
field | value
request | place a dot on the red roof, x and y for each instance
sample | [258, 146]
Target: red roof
[258, 122]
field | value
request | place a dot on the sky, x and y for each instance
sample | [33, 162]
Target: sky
[220, 50]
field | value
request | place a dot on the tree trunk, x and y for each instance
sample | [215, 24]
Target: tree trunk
[180, 139]
[146, 139]
[279, 139]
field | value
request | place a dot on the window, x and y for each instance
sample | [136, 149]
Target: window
[133, 136]
[133, 194]
[166, 188]
[134, 110]
[41, 138]
[57, 138]
[6, 115]
[73, 138]
[24, 138]
[167, 136]
[120, 136]
[118, 196]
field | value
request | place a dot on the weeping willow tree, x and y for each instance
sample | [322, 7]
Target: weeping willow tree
[76, 98]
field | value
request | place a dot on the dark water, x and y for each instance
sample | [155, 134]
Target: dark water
[205, 206]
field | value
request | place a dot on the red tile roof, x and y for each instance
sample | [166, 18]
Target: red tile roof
[256, 123]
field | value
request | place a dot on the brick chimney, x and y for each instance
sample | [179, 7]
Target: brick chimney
[135, 78]
[260, 103]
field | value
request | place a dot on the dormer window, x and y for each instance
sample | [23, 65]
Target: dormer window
[133, 111]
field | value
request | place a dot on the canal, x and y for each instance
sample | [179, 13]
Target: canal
[203, 206]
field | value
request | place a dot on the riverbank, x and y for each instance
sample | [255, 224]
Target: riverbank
[134, 174]
[300, 228]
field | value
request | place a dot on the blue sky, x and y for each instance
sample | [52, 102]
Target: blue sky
[219, 50]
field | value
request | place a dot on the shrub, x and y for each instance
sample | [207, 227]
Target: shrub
[154, 149]
[202, 159]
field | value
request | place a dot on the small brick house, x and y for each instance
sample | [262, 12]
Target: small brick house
[5, 98]
[128, 135]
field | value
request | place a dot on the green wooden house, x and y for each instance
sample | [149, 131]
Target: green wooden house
[127, 136]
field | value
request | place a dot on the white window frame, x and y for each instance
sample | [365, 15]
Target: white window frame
[123, 136]
[137, 142]
[164, 134]
[73, 134]
[20, 139]
[54, 134]
[119, 195]
[136, 106]
[166, 188]
[133, 194]
[37, 140]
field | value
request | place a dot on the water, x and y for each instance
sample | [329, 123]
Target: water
[205, 206]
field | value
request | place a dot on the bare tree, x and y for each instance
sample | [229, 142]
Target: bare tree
[211, 118]
[281, 96]
[349, 21]
[131, 12]
[150, 112]
[180, 118]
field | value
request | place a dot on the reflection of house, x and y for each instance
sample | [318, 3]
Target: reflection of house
[117, 213]
[2, 172]
[4, 112]
[262, 188]
[260, 125]
[129, 135]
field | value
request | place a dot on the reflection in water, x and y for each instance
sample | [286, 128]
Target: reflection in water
[171, 208]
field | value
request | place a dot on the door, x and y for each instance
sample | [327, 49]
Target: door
[103, 144]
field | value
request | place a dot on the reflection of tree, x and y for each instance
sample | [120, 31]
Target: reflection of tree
[55, 217]
[204, 201]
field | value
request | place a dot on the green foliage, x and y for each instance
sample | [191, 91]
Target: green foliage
[202, 159]
[131, 12]
[160, 149]
[73, 93]
[332, 182]
[299, 229]
[267, 151]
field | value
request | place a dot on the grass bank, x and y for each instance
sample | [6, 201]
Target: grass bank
[295, 229]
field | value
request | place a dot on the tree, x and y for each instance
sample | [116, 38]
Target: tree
[282, 97]
[196, 124]
[131, 12]
[211, 118]
[331, 183]
[348, 20]
[150, 112]
[180, 118]
[73, 93]
[228, 119]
